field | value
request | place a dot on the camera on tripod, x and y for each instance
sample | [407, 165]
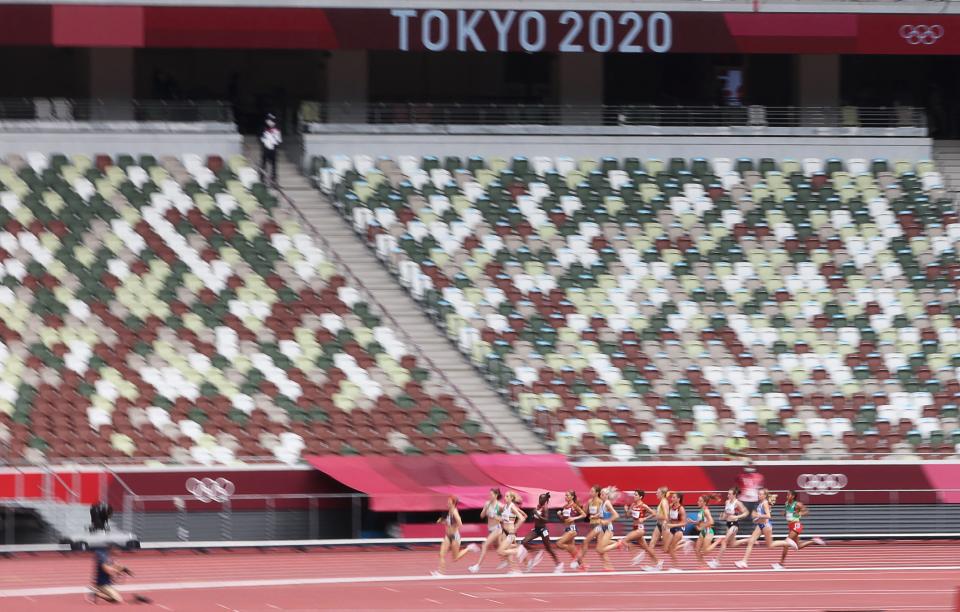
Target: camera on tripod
[100, 514]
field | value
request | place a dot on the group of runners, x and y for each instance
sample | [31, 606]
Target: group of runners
[675, 530]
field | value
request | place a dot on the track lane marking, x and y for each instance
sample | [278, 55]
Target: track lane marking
[227, 584]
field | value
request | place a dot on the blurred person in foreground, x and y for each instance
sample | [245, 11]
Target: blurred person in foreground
[105, 572]
[750, 482]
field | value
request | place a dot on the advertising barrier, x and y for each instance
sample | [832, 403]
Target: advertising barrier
[207, 488]
[202, 489]
[864, 482]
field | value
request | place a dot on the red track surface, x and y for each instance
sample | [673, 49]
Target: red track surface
[908, 576]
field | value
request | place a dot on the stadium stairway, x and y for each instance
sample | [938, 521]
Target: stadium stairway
[946, 154]
[510, 431]
[63, 518]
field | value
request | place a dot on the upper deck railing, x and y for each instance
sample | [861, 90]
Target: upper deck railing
[94, 109]
[312, 113]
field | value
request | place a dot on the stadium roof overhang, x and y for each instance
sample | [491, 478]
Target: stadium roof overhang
[482, 29]
[692, 6]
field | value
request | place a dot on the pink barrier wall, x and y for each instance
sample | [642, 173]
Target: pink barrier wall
[850, 482]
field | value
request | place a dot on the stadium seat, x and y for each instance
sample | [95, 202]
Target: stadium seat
[670, 303]
[168, 309]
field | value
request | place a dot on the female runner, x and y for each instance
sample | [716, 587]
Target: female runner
[794, 511]
[570, 514]
[540, 517]
[659, 532]
[608, 516]
[639, 512]
[764, 526]
[491, 512]
[676, 521]
[704, 526]
[451, 539]
[511, 518]
[593, 516]
[733, 512]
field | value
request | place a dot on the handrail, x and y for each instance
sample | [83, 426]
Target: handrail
[826, 456]
[308, 496]
[606, 114]
[355, 279]
[264, 496]
[123, 484]
[98, 109]
[129, 499]
[72, 494]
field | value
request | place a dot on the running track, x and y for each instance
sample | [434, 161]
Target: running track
[907, 576]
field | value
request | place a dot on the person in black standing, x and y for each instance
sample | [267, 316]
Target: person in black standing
[270, 141]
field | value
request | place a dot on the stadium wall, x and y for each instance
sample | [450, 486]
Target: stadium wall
[916, 481]
[116, 137]
[640, 141]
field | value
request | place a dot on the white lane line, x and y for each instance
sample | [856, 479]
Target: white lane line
[445, 589]
[540, 600]
[490, 588]
[763, 575]
[468, 595]
[433, 601]
[391, 589]
[765, 608]
[163, 607]
[499, 603]
[274, 607]
[779, 592]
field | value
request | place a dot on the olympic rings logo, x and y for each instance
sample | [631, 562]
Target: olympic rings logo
[921, 34]
[209, 490]
[822, 484]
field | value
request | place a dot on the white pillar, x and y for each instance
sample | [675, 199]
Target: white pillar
[581, 84]
[112, 79]
[347, 86]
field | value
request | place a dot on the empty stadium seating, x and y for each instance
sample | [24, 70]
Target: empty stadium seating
[682, 307]
[170, 309]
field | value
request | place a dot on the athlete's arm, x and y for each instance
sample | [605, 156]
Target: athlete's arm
[649, 511]
[521, 515]
[756, 513]
[614, 515]
[457, 521]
